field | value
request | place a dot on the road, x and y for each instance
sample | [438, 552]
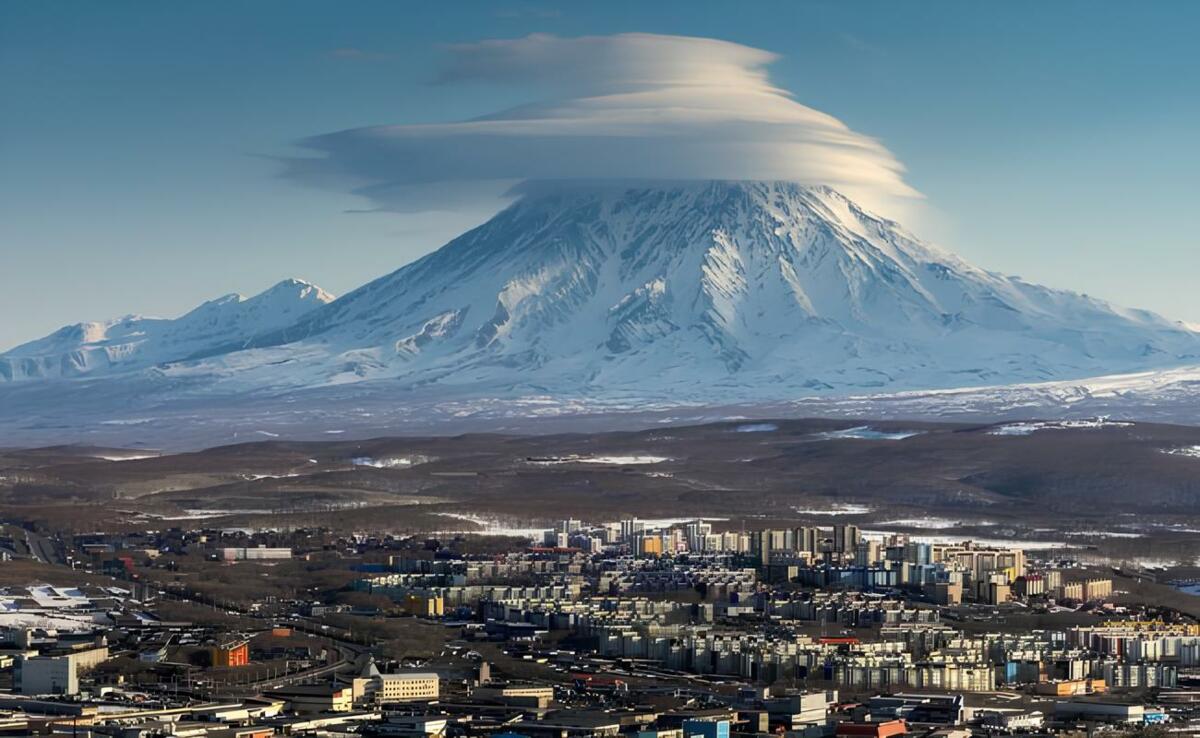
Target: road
[44, 549]
[348, 651]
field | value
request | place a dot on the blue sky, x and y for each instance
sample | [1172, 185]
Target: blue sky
[140, 142]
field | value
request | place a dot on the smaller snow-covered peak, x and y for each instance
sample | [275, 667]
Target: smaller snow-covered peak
[134, 341]
[283, 294]
[302, 288]
[274, 307]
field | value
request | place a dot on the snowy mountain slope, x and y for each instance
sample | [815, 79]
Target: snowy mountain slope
[135, 342]
[666, 293]
[759, 289]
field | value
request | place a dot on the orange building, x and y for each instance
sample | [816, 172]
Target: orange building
[652, 546]
[231, 653]
[1072, 687]
[884, 729]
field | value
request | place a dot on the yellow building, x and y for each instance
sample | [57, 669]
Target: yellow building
[415, 687]
[1072, 591]
[429, 606]
[1088, 590]
[1097, 589]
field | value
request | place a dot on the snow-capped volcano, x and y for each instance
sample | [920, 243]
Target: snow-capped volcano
[673, 293]
[762, 289]
[136, 342]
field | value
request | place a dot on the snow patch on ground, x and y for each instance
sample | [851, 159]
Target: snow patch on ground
[631, 460]
[1177, 528]
[930, 523]
[492, 527]
[756, 428]
[622, 460]
[1192, 452]
[1148, 563]
[203, 514]
[655, 523]
[389, 462]
[865, 433]
[848, 508]
[1029, 428]
[133, 457]
[1102, 534]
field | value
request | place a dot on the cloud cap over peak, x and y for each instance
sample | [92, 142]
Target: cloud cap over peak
[598, 62]
[628, 106]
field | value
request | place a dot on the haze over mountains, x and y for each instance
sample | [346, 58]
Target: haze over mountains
[699, 293]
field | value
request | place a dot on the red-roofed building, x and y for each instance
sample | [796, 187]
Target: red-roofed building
[838, 641]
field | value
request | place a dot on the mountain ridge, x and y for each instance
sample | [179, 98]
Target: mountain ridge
[134, 341]
[755, 290]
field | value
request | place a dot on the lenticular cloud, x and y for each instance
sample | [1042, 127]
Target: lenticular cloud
[629, 106]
